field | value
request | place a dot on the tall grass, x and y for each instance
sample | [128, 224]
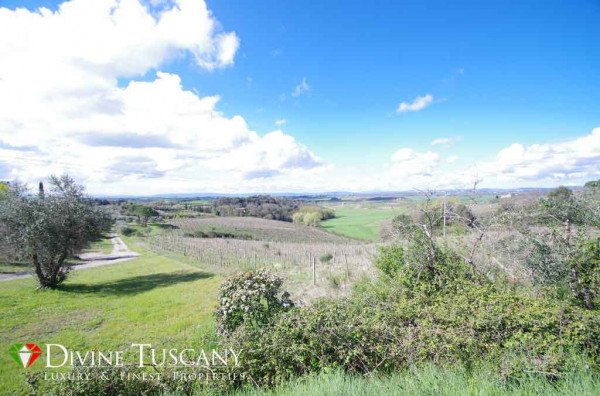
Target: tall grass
[433, 380]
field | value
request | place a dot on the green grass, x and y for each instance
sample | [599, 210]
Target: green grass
[152, 299]
[360, 222]
[103, 246]
[432, 380]
[11, 268]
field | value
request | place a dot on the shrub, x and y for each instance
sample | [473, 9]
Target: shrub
[298, 218]
[324, 213]
[312, 215]
[547, 260]
[592, 184]
[413, 316]
[311, 219]
[143, 213]
[252, 297]
[114, 381]
[584, 266]
[129, 380]
[335, 281]
[433, 213]
[390, 259]
[388, 329]
[128, 231]
[560, 266]
[326, 258]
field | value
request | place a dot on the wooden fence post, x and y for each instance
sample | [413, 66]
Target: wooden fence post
[347, 269]
[314, 270]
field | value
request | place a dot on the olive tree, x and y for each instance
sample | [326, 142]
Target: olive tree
[48, 228]
[562, 206]
[143, 213]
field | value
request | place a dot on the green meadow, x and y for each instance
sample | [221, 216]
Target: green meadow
[151, 299]
[360, 222]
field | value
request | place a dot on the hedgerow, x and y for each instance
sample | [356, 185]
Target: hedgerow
[441, 313]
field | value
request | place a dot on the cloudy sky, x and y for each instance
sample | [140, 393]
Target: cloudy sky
[146, 97]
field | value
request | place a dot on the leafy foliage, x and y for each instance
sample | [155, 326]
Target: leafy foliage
[49, 228]
[128, 231]
[584, 266]
[390, 260]
[445, 314]
[312, 215]
[561, 205]
[263, 206]
[454, 212]
[129, 380]
[593, 184]
[142, 212]
[547, 259]
[214, 233]
[250, 298]
[114, 381]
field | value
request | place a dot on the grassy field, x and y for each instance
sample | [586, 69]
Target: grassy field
[152, 299]
[360, 222]
[11, 268]
[103, 246]
[432, 380]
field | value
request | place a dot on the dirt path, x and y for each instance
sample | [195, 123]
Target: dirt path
[119, 254]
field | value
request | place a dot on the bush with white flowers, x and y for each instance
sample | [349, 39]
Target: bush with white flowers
[251, 298]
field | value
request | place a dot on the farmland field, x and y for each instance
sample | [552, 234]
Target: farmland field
[287, 249]
[258, 229]
[360, 222]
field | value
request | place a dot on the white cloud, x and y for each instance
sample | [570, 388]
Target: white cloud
[301, 88]
[267, 156]
[550, 163]
[280, 122]
[571, 161]
[419, 103]
[408, 162]
[445, 141]
[68, 86]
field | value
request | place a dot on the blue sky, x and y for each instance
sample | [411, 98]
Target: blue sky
[499, 73]
[531, 70]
